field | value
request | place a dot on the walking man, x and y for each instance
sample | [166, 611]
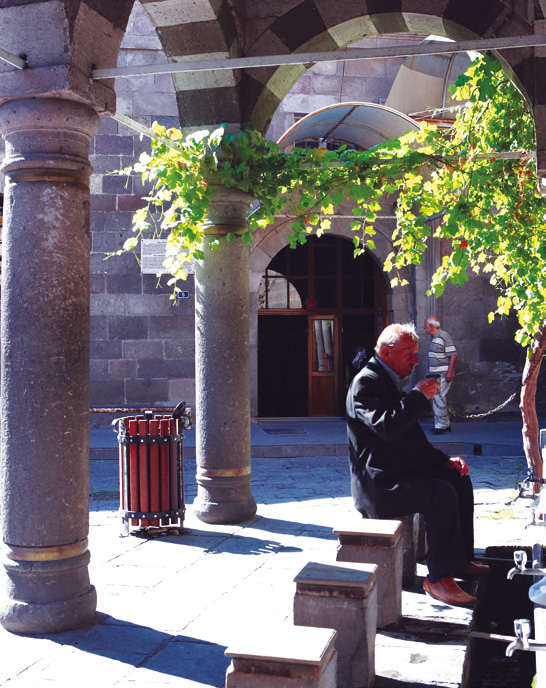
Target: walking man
[441, 361]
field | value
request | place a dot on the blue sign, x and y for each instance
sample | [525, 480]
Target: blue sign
[183, 294]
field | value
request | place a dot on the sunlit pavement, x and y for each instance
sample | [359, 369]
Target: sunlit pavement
[169, 606]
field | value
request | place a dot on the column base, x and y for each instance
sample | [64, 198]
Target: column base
[225, 512]
[224, 499]
[48, 596]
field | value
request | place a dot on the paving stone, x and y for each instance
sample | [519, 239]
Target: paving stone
[441, 663]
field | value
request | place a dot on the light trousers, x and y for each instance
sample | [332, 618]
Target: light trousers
[439, 405]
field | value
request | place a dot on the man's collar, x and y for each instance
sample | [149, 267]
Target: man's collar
[395, 377]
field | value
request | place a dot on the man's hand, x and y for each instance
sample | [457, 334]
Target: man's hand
[429, 387]
[459, 464]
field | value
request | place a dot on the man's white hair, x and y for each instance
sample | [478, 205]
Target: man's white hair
[433, 320]
[392, 334]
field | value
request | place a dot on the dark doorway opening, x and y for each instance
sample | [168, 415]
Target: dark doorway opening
[282, 366]
[317, 304]
[357, 331]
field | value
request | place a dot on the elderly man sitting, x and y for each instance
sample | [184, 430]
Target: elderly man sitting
[395, 471]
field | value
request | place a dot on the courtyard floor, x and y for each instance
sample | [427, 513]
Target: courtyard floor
[169, 607]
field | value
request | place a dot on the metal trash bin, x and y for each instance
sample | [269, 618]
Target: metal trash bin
[151, 468]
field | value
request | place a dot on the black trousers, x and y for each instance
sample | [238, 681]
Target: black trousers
[449, 524]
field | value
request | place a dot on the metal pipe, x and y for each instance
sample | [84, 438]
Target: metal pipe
[433, 48]
[13, 60]
[514, 643]
[119, 409]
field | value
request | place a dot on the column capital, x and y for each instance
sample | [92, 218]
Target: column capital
[62, 81]
[47, 139]
[227, 211]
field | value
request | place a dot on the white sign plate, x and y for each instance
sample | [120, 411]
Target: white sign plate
[152, 257]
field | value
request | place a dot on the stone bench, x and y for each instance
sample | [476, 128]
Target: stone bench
[343, 597]
[412, 545]
[376, 541]
[284, 657]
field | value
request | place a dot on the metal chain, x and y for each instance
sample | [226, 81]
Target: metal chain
[486, 413]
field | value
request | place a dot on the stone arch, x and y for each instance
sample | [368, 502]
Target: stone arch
[212, 29]
[313, 25]
[269, 241]
[64, 41]
[206, 30]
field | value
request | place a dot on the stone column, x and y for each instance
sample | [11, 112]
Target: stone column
[44, 465]
[222, 365]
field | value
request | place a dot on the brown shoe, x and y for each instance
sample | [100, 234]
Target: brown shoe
[473, 571]
[446, 590]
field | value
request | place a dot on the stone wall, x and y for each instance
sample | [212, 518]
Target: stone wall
[142, 344]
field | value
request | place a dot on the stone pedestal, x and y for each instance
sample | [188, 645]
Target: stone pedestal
[222, 364]
[44, 469]
[284, 657]
[410, 546]
[344, 598]
[374, 541]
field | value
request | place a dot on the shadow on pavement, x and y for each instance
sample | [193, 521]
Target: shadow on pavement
[149, 650]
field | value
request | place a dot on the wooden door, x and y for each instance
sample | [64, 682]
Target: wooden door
[323, 365]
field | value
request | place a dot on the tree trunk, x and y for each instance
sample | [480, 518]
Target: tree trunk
[527, 404]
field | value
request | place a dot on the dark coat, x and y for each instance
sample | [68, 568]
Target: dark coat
[392, 461]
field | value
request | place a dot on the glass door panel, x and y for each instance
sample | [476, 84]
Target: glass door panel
[323, 373]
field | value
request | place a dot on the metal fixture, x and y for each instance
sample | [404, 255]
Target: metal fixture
[522, 629]
[520, 560]
[522, 641]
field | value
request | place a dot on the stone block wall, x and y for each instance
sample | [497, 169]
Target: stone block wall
[142, 343]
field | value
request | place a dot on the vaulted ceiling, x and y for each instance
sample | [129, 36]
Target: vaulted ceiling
[65, 39]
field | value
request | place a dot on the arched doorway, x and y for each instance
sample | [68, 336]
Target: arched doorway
[317, 304]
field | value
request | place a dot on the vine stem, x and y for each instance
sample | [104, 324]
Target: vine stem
[527, 404]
